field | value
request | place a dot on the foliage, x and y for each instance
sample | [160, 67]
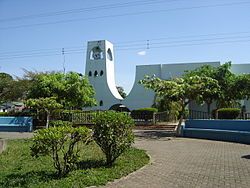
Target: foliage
[13, 89]
[61, 144]
[13, 113]
[143, 113]
[5, 86]
[59, 123]
[211, 90]
[19, 169]
[228, 113]
[121, 91]
[180, 90]
[71, 90]
[45, 104]
[3, 113]
[146, 109]
[242, 86]
[113, 133]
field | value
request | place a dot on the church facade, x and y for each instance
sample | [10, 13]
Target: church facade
[100, 72]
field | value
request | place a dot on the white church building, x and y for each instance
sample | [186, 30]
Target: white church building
[100, 72]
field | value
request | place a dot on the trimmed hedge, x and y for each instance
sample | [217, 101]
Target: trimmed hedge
[228, 113]
[146, 109]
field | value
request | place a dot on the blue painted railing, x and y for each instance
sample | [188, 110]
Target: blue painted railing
[225, 130]
[16, 124]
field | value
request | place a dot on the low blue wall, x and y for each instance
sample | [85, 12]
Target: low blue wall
[225, 130]
[16, 124]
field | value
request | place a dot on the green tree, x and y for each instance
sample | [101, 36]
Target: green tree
[121, 91]
[228, 93]
[210, 90]
[71, 90]
[181, 90]
[6, 82]
[48, 105]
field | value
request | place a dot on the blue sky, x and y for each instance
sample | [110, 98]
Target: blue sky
[176, 31]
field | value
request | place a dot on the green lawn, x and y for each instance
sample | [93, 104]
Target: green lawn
[19, 169]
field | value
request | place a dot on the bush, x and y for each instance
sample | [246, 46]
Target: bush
[60, 143]
[17, 114]
[228, 113]
[113, 133]
[3, 113]
[147, 110]
[59, 123]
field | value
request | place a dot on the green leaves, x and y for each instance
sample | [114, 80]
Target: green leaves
[60, 143]
[70, 90]
[113, 133]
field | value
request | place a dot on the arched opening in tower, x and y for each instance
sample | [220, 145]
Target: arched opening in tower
[119, 108]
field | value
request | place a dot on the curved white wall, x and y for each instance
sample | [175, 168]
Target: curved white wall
[139, 97]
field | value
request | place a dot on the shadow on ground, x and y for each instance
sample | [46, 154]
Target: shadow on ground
[87, 164]
[154, 134]
[245, 157]
[19, 179]
[23, 179]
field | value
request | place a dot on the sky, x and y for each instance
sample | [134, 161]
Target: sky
[33, 33]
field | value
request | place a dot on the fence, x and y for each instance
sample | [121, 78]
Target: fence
[153, 118]
[83, 118]
[193, 114]
[86, 117]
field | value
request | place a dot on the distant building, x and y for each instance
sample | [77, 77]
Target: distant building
[11, 106]
[100, 72]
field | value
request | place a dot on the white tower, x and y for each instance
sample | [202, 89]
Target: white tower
[100, 72]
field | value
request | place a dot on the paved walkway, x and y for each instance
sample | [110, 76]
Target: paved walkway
[182, 162]
[15, 135]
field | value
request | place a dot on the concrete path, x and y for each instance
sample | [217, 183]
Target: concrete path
[182, 162]
[15, 135]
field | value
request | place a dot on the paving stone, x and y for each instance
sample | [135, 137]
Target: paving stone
[189, 163]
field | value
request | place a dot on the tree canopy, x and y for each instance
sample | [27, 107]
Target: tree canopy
[71, 89]
[182, 90]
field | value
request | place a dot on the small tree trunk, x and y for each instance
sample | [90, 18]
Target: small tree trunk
[209, 110]
[47, 119]
[178, 129]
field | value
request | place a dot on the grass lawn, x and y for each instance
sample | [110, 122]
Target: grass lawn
[19, 169]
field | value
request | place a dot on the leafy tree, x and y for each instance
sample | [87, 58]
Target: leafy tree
[227, 94]
[121, 91]
[71, 90]
[181, 90]
[113, 133]
[242, 86]
[48, 105]
[226, 80]
[61, 143]
[210, 90]
[5, 86]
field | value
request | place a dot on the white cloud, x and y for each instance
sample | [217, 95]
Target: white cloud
[142, 53]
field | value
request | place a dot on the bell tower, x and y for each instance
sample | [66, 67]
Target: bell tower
[101, 74]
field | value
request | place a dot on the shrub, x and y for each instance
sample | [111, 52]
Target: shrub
[18, 114]
[59, 123]
[228, 113]
[113, 133]
[147, 110]
[60, 143]
[3, 113]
